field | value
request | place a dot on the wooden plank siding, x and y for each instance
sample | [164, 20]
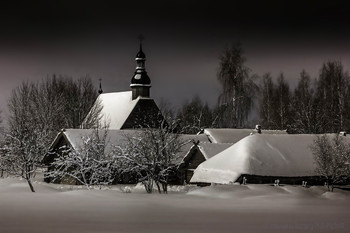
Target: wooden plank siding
[191, 162]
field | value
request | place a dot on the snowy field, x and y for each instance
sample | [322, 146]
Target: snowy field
[233, 208]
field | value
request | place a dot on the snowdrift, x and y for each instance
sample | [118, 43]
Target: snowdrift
[264, 155]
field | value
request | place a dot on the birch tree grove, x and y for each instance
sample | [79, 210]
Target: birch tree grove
[332, 87]
[283, 105]
[316, 106]
[308, 117]
[267, 102]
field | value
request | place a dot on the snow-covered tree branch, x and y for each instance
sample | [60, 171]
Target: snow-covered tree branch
[332, 159]
[89, 164]
[151, 155]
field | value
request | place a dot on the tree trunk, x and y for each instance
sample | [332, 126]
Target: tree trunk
[148, 183]
[30, 185]
[158, 187]
[328, 185]
[165, 187]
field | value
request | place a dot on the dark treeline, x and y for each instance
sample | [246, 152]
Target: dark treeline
[317, 104]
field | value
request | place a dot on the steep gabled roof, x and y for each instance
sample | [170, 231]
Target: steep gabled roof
[117, 107]
[234, 135]
[189, 139]
[121, 112]
[259, 154]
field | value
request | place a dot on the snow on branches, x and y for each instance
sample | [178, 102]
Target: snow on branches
[22, 153]
[89, 164]
[151, 155]
[332, 158]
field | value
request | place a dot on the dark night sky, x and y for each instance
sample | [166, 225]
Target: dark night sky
[183, 41]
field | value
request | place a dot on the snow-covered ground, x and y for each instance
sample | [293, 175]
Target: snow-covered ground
[221, 208]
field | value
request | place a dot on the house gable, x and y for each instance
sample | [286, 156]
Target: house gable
[60, 143]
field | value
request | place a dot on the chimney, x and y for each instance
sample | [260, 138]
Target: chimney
[258, 128]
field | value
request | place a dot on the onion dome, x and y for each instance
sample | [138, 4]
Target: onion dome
[140, 77]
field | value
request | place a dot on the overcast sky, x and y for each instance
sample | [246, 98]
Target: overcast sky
[183, 40]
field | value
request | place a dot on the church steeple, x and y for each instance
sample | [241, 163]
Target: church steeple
[140, 82]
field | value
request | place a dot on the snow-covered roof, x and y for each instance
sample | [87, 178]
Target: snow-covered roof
[259, 154]
[75, 138]
[188, 140]
[117, 107]
[210, 149]
[207, 149]
[234, 135]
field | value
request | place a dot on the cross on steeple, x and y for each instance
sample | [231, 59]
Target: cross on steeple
[141, 38]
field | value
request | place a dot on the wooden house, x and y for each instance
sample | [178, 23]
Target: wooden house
[73, 139]
[262, 158]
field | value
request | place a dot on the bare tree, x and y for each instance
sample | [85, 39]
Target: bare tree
[3, 147]
[90, 164]
[282, 100]
[74, 98]
[267, 102]
[36, 112]
[151, 154]
[28, 137]
[332, 158]
[238, 88]
[332, 88]
[308, 115]
[195, 116]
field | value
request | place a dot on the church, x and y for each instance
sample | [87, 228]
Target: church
[128, 109]
[122, 113]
